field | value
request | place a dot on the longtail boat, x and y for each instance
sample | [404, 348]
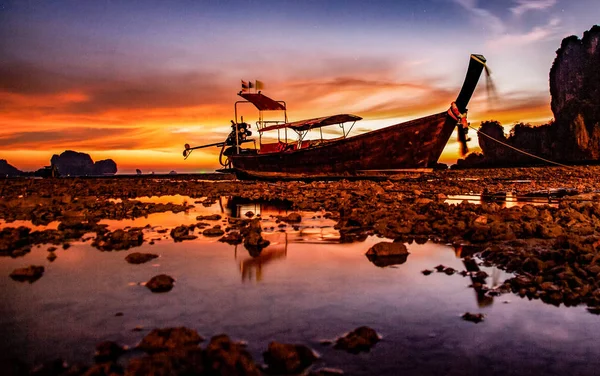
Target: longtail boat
[415, 144]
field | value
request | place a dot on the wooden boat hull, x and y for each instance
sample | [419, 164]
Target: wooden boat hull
[413, 144]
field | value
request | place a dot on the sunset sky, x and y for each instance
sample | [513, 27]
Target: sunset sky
[135, 80]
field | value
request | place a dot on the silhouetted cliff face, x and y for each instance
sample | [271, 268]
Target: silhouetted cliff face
[105, 167]
[8, 170]
[575, 133]
[73, 163]
[575, 90]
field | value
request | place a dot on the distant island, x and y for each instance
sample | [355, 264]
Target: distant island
[68, 163]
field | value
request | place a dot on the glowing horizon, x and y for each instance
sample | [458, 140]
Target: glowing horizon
[134, 82]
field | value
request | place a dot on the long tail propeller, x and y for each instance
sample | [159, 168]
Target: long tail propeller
[188, 150]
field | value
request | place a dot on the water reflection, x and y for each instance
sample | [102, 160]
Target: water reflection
[504, 199]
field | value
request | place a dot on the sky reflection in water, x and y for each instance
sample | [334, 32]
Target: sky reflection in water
[303, 288]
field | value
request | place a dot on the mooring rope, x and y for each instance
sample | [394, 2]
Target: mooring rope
[516, 149]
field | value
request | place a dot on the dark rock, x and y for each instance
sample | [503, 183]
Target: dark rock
[13, 240]
[232, 238]
[473, 317]
[103, 369]
[29, 274]
[179, 361]
[213, 217]
[292, 218]
[108, 351]
[160, 283]
[50, 368]
[360, 339]
[181, 233]
[212, 232]
[282, 358]
[51, 256]
[225, 357]
[119, 240]
[159, 340]
[140, 258]
[6, 170]
[426, 272]
[249, 214]
[387, 249]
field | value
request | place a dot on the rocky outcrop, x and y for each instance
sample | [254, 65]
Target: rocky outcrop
[575, 90]
[104, 167]
[73, 163]
[574, 135]
[7, 170]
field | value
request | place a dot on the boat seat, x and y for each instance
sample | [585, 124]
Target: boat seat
[272, 148]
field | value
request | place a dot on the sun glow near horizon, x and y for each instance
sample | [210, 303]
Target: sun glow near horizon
[135, 82]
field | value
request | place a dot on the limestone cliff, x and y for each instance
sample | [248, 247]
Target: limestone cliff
[72, 163]
[575, 133]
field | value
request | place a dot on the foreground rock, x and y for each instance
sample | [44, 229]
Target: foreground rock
[360, 339]
[181, 233]
[108, 351]
[225, 357]
[29, 274]
[169, 338]
[232, 238]
[119, 240]
[282, 358]
[473, 317]
[213, 232]
[140, 258]
[386, 254]
[160, 283]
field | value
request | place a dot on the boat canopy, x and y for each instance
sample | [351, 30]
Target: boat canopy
[262, 102]
[304, 125]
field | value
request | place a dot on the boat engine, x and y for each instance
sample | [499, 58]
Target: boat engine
[232, 145]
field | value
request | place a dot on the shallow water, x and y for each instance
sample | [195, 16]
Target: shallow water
[303, 288]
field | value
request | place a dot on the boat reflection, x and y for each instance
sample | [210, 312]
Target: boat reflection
[477, 276]
[251, 267]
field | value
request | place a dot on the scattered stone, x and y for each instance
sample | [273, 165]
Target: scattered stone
[292, 218]
[232, 238]
[249, 214]
[160, 283]
[288, 359]
[181, 233]
[119, 240]
[360, 339]
[426, 272]
[159, 340]
[386, 249]
[225, 357]
[29, 274]
[213, 217]
[213, 232]
[139, 258]
[51, 256]
[108, 351]
[473, 317]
